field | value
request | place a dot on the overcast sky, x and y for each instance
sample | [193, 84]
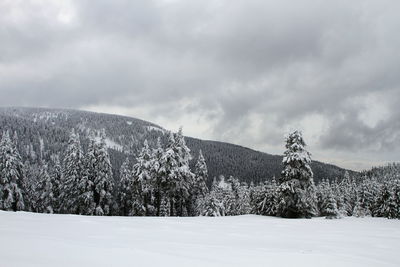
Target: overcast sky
[240, 71]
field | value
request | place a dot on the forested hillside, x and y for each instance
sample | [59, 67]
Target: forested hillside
[85, 163]
[43, 133]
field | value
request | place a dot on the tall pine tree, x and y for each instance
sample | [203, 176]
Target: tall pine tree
[124, 196]
[11, 176]
[296, 190]
[184, 176]
[142, 186]
[72, 174]
[103, 179]
[199, 188]
[45, 199]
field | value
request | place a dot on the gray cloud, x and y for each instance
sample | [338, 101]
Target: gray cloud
[238, 71]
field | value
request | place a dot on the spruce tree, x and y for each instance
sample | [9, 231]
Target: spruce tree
[176, 176]
[269, 199]
[329, 206]
[125, 189]
[199, 188]
[296, 190]
[258, 198]
[212, 205]
[337, 193]
[236, 198]
[161, 202]
[72, 174]
[45, 199]
[96, 185]
[56, 179]
[29, 186]
[142, 186]
[11, 176]
[85, 203]
[321, 193]
[243, 202]
[359, 210]
[164, 207]
[388, 201]
[366, 196]
[349, 192]
[167, 173]
[229, 192]
[184, 176]
[200, 176]
[103, 179]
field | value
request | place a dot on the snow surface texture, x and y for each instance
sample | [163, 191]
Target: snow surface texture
[29, 239]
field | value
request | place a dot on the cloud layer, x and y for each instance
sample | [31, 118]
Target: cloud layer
[239, 71]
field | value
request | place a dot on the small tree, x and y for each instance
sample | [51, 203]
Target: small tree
[359, 210]
[268, 204]
[211, 205]
[329, 207]
[164, 208]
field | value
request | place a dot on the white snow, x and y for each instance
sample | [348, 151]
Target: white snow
[129, 122]
[29, 239]
[223, 184]
[48, 116]
[110, 143]
[153, 128]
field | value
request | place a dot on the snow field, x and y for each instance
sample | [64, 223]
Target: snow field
[29, 239]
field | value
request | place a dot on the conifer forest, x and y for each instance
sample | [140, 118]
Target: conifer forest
[166, 179]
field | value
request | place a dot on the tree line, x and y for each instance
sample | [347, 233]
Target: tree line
[43, 133]
[160, 181]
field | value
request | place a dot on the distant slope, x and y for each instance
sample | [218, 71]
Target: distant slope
[44, 132]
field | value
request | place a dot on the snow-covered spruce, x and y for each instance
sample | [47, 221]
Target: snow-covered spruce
[46, 201]
[142, 189]
[11, 176]
[199, 188]
[72, 173]
[124, 195]
[96, 187]
[176, 176]
[296, 191]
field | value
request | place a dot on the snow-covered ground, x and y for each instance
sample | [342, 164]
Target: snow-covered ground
[28, 239]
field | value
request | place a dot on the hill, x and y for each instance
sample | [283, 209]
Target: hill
[43, 132]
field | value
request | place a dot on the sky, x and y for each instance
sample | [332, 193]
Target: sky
[240, 71]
